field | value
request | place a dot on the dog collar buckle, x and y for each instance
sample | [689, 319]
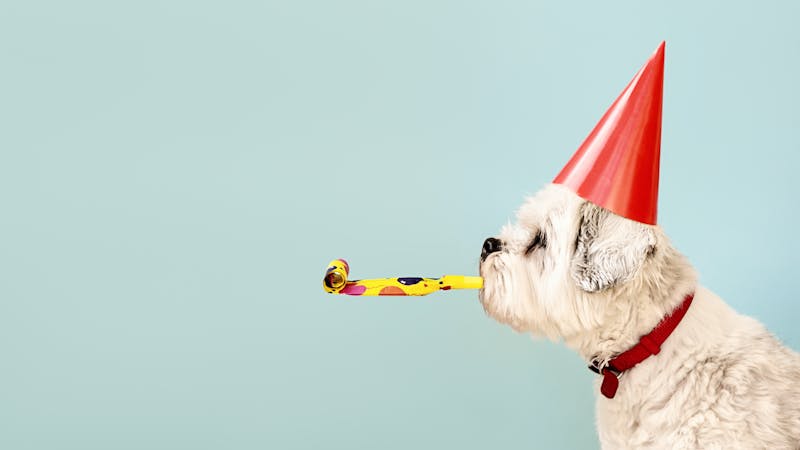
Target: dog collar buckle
[599, 367]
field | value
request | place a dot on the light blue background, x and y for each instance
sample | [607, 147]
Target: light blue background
[174, 176]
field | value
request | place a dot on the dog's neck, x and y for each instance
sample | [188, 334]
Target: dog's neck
[631, 314]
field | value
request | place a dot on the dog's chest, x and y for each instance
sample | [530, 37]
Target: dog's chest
[628, 422]
[647, 413]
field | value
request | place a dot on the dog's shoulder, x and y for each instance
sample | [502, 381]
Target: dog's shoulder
[721, 378]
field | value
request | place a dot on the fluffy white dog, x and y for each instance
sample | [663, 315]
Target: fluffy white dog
[574, 271]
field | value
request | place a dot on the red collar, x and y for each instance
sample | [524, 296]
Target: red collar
[649, 344]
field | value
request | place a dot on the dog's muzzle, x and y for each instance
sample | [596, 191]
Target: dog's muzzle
[490, 245]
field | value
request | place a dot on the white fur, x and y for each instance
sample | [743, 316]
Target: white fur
[721, 381]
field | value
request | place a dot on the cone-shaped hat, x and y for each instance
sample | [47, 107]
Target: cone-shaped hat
[616, 167]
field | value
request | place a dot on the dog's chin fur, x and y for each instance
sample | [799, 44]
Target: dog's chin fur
[599, 282]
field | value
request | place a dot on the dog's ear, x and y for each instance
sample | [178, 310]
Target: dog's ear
[609, 249]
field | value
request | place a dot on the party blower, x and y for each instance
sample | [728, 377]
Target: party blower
[335, 282]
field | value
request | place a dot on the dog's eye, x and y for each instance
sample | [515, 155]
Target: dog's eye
[538, 241]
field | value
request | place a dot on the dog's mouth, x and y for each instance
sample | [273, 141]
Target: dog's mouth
[488, 269]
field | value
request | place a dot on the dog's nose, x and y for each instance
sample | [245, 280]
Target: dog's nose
[490, 246]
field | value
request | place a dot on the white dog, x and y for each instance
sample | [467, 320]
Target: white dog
[574, 271]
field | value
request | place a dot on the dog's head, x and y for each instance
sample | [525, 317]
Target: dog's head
[568, 267]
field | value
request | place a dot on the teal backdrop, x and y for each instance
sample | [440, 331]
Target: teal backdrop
[175, 176]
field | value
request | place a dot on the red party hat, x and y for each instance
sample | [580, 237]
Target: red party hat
[616, 167]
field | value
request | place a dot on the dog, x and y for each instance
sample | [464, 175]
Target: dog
[571, 270]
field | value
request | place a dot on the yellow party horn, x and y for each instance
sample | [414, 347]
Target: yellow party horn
[335, 282]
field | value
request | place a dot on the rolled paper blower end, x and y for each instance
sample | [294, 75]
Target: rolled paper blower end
[335, 276]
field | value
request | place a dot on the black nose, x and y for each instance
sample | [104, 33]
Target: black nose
[490, 246]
